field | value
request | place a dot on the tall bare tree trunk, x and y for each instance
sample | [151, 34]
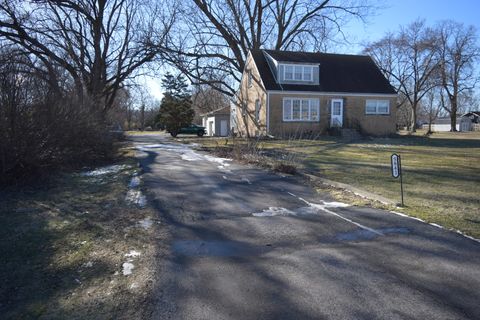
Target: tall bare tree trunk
[142, 117]
[453, 116]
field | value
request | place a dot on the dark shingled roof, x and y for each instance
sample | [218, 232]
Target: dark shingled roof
[338, 72]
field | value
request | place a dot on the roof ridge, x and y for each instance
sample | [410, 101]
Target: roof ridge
[316, 53]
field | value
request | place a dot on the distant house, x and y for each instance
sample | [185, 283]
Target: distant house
[286, 93]
[470, 121]
[217, 122]
[442, 124]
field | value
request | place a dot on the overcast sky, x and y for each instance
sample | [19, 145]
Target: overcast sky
[395, 13]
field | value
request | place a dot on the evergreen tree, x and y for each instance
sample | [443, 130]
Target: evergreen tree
[176, 86]
[176, 107]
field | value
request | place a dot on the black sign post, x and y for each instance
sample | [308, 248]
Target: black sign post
[397, 171]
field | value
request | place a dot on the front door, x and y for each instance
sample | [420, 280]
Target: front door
[336, 113]
[210, 128]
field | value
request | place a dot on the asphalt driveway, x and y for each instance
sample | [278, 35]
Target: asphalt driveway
[249, 244]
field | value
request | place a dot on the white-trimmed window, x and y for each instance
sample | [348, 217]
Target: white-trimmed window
[296, 109]
[288, 72]
[377, 107]
[294, 72]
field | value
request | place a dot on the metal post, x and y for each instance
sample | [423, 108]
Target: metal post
[401, 175]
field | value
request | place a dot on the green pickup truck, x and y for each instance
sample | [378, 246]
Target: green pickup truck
[191, 129]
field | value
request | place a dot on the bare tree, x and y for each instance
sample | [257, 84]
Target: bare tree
[457, 52]
[213, 38]
[432, 105]
[409, 61]
[206, 99]
[100, 43]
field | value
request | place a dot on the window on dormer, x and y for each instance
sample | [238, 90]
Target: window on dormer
[298, 73]
[288, 72]
[307, 73]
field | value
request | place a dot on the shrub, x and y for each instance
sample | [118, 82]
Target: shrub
[42, 129]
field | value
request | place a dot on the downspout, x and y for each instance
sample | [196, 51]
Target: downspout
[275, 75]
[268, 113]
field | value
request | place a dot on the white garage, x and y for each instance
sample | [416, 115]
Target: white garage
[217, 122]
[442, 124]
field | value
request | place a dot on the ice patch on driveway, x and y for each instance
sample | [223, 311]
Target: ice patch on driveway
[325, 206]
[335, 204]
[312, 208]
[245, 179]
[188, 154]
[274, 211]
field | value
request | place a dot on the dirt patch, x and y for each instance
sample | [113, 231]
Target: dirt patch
[77, 248]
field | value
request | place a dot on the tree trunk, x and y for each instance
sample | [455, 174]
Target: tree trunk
[453, 117]
[142, 117]
[414, 118]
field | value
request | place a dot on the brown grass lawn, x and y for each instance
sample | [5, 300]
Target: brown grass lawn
[441, 172]
[63, 245]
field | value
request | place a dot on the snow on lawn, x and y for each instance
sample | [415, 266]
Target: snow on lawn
[146, 223]
[105, 170]
[127, 268]
[132, 253]
[136, 197]
[135, 182]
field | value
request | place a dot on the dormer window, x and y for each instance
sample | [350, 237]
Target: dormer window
[294, 72]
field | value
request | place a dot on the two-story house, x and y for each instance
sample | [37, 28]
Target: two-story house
[286, 93]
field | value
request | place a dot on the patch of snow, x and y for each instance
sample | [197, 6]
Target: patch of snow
[105, 170]
[220, 161]
[136, 197]
[134, 285]
[134, 183]
[467, 236]
[187, 154]
[335, 204]
[146, 223]
[191, 155]
[274, 211]
[246, 180]
[225, 177]
[382, 146]
[89, 264]
[324, 207]
[436, 225]
[127, 268]
[132, 253]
